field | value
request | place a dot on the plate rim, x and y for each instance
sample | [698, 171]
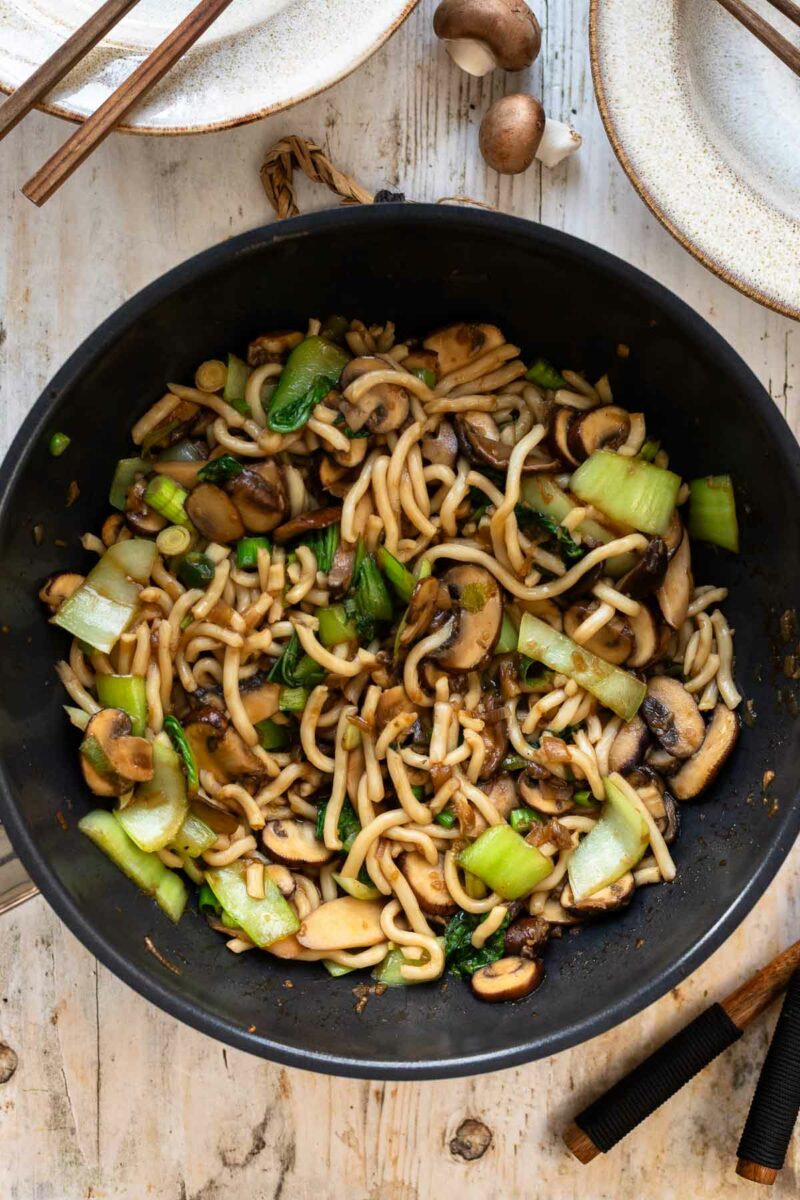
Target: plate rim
[76, 118]
[645, 194]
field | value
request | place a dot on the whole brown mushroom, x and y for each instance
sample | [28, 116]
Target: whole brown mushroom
[515, 131]
[481, 35]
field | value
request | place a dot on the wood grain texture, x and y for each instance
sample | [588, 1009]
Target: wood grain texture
[113, 1100]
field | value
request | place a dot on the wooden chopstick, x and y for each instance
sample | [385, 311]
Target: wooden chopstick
[59, 64]
[644, 1089]
[788, 8]
[41, 186]
[774, 41]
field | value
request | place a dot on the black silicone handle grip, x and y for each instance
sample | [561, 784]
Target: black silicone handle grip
[660, 1076]
[776, 1101]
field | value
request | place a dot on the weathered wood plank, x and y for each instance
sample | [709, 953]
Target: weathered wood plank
[115, 1100]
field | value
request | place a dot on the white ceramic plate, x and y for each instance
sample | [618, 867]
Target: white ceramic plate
[259, 57]
[706, 123]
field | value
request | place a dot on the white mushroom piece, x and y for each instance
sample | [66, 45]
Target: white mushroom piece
[515, 131]
[481, 35]
[507, 979]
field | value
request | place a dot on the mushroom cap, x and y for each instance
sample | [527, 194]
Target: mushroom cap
[343, 924]
[58, 588]
[703, 767]
[427, 882]
[480, 441]
[676, 590]
[218, 748]
[527, 936]
[318, 518]
[214, 514]
[613, 642]
[112, 759]
[479, 615]
[508, 29]
[294, 842]
[673, 717]
[383, 408]
[259, 495]
[508, 979]
[459, 344]
[629, 746]
[511, 133]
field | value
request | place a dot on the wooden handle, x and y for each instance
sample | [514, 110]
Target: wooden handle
[774, 41]
[77, 149]
[788, 8]
[644, 1089]
[59, 64]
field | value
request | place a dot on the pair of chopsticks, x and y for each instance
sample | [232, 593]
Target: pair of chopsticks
[775, 1104]
[766, 33]
[97, 127]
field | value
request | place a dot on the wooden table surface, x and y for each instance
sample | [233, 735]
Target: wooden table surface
[114, 1100]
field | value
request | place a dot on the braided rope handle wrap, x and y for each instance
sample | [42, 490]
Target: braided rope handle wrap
[277, 175]
[776, 1101]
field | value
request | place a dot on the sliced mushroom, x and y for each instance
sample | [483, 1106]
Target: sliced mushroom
[559, 433]
[58, 588]
[674, 534]
[381, 409]
[508, 979]
[527, 937]
[551, 795]
[629, 746]
[334, 477]
[503, 794]
[616, 895]
[646, 639]
[341, 573]
[458, 345]
[648, 573]
[354, 455]
[421, 609]
[214, 514]
[113, 529]
[260, 698]
[478, 607]
[669, 825]
[672, 716]
[703, 767]
[140, 517]
[272, 347]
[343, 924]
[442, 449]
[259, 495]
[428, 884]
[185, 473]
[602, 428]
[495, 738]
[218, 748]
[676, 590]
[481, 35]
[658, 801]
[293, 842]
[111, 758]
[174, 427]
[661, 761]
[613, 643]
[318, 518]
[480, 440]
[393, 701]
[421, 360]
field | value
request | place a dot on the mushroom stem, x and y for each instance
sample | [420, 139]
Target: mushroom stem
[472, 56]
[558, 142]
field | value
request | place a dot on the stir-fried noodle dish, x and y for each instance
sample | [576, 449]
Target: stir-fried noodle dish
[392, 657]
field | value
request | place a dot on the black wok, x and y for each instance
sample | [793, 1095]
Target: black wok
[419, 266]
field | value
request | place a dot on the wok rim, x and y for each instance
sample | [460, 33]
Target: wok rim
[166, 995]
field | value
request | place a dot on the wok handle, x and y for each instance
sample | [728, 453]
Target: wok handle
[651, 1083]
[776, 1102]
[15, 886]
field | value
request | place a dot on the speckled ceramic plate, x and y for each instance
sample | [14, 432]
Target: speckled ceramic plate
[259, 57]
[706, 123]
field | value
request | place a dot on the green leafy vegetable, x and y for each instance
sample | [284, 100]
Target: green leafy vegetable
[505, 862]
[271, 735]
[195, 570]
[628, 490]
[296, 669]
[348, 828]
[220, 470]
[324, 545]
[399, 577]
[58, 444]
[124, 476]
[207, 902]
[446, 818]
[146, 870]
[522, 820]
[293, 700]
[568, 548]
[335, 626]
[427, 376]
[545, 375]
[175, 732]
[126, 692]
[649, 450]
[461, 957]
[311, 370]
